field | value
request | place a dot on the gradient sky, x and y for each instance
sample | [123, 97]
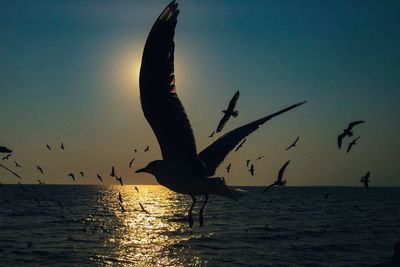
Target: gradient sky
[69, 72]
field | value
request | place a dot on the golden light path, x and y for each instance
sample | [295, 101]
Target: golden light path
[155, 238]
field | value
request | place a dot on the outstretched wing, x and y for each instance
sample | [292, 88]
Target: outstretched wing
[282, 171]
[233, 101]
[160, 103]
[354, 123]
[5, 150]
[339, 139]
[213, 155]
[222, 122]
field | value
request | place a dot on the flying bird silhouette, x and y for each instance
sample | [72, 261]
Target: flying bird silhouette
[182, 169]
[251, 170]
[17, 165]
[228, 168]
[142, 208]
[241, 144]
[39, 169]
[48, 147]
[40, 182]
[119, 179]
[294, 143]
[260, 157]
[99, 178]
[62, 146]
[365, 180]
[212, 134]
[351, 144]
[6, 157]
[248, 162]
[137, 189]
[72, 176]
[146, 149]
[82, 174]
[230, 111]
[112, 174]
[279, 181]
[135, 150]
[3, 149]
[131, 162]
[120, 198]
[122, 207]
[347, 132]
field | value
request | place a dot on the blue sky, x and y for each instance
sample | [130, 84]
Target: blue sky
[68, 72]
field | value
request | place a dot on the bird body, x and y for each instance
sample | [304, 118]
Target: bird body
[279, 181]
[48, 147]
[181, 169]
[294, 143]
[72, 176]
[82, 174]
[6, 157]
[228, 168]
[347, 132]
[39, 169]
[99, 178]
[131, 162]
[112, 174]
[351, 144]
[62, 146]
[365, 180]
[251, 170]
[229, 112]
[17, 165]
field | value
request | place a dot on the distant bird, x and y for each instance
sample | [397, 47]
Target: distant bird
[22, 187]
[135, 150]
[137, 189]
[142, 208]
[279, 181]
[48, 147]
[120, 197]
[3, 149]
[146, 149]
[82, 174]
[112, 174]
[40, 182]
[7, 169]
[327, 195]
[240, 145]
[230, 111]
[294, 143]
[99, 178]
[122, 207]
[248, 162]
[39, 169]
[228, 168]
[72, 176]
[260, 157]
[131, 162]
[251, 170]
[351, 144]
[62, 146]
[212, 134]
[365, 180]
[347, 132]
[119, 179]
[17, 165]
[6, 157]
[181, 169]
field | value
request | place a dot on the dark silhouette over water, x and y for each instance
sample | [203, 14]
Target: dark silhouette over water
[6, 157]
[48, 147]
[62, 146]
[17, 165]
[279, 181]
[228, 168]
[347, 132]
[294, 143]
[39, 169]
[146, 149]
[365, 180]
[112, 174]
[212, 134]
[72, 176]
[99, 178]
[182, 169]
[230, 111]
[251, 170]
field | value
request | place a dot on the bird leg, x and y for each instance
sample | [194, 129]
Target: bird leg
[201, 219]
[190, 211]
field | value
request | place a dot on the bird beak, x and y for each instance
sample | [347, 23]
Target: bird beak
[141, 170]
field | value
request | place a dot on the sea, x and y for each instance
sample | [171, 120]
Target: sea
[85, 225]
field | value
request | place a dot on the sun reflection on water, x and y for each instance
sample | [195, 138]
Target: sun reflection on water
[147, 239]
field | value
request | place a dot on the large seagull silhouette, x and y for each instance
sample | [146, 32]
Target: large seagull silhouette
[182, 169]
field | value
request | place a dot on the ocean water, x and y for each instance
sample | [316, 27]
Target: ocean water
[290, 226]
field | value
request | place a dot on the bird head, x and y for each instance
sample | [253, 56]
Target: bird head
[153, 167]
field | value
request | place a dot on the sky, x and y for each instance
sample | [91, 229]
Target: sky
[69, 73]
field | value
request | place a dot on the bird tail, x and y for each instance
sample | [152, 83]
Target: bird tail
[235, 113]
[218, 187]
